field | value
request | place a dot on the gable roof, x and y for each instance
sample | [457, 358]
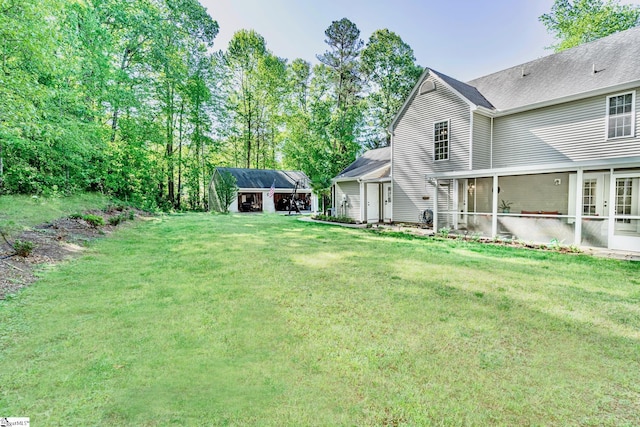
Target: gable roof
[467, 91]
[369, 162]
[616, 59]
[264, 178]
[553, 78]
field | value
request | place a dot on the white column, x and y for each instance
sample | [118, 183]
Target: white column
[494, 208]
[613, 211]
[456, 204]
[363, 201]
[435, 205]
[578, 207]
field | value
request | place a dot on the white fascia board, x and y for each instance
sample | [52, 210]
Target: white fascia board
[428, 71]
[458, 94]
[361, 177]
[276, 190]
[620, 162]
[338, 180]
[374, 180]
[405, 104]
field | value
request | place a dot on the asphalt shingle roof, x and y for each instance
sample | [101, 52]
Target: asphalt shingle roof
[616, 59]
[264, 178]
[370, 161]
[466, 90]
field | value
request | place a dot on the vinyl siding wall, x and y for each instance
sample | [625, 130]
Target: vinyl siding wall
[413, 149]
[352, 191]
[573, 131]
[481, 142]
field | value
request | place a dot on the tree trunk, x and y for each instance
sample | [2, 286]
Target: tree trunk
[180, 154]
[116, 108]
[171, 197]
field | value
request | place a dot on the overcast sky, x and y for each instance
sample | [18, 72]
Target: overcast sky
[464, 39]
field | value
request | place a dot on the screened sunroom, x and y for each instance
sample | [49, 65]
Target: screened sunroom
[586, 206]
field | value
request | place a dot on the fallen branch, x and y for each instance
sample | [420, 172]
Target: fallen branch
[11, 265]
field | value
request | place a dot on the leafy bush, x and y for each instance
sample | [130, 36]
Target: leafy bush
[115, 220]
[444, 232]
[340, 219]
[23, 248]
[93, 220]
[226, 191]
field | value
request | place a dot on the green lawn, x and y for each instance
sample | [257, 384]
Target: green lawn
[266, 320]
[20, 211]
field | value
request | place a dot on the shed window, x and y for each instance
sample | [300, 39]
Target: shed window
[621, 115]
[441, 140]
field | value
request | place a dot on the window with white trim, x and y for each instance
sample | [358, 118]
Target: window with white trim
[441, 140]
[621, 115]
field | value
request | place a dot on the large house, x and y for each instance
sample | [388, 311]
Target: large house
[544, 151]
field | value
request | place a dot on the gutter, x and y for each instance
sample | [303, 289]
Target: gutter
[620, 162]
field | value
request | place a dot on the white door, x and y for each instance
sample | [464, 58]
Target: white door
[624, 232]
[594, 196]
[373, 202]
[386, 195]
[462, 199]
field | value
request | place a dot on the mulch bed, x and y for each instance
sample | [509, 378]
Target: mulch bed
[54, 242]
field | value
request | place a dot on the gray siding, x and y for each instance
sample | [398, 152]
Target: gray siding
[352, 190]
[573, 131]
[413, 149]
[481, 142]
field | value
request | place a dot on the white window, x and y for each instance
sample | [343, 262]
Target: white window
[441, 140]
[621, 115]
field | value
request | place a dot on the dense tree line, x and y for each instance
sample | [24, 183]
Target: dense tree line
[131, 98]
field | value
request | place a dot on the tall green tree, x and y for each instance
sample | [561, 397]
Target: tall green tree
[342, 66]
[575, 22]
[390, 68]
[257, 82]
[186, 26]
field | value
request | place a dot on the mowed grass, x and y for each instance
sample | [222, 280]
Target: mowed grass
[199, 319]
[20, 211]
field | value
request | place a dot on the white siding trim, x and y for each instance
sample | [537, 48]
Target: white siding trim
[491, 147]
[557, 167]
[470, 139]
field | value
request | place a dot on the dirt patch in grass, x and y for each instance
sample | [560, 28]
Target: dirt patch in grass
[54, 242]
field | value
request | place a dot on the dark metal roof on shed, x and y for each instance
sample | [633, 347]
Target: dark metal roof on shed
[264, 178]
[615, 58]
[369, 162]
